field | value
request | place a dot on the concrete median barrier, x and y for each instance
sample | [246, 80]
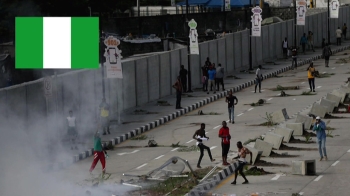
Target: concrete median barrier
[263, 146]
[256, 154]
[304, 167]
[330, 105]
[318, 110]
[285, 132]
[280, 116]
[333, 97]
[297, 128]
[341, 94]
[345, 89]
[274, 139]
[307, 120]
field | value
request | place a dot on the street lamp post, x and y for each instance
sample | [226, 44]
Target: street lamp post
[250, 39]
[101, 53]
[138, 17]
[188, 52]
[329, 33]
[295, 23]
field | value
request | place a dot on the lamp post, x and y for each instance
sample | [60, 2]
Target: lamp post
[138, 17]
[250, 39]
[188, 52]
[295, 23]
[101, 53]
[329, 33]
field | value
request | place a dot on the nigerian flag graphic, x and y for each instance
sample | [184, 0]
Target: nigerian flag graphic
[57, 42]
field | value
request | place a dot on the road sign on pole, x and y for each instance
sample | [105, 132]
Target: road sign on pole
[48, 87]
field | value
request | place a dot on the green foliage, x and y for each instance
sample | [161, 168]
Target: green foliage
[307, 138]
[269, 119]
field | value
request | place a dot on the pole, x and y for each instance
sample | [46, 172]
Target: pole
[188, 52]
[101, 56]
[295, 23]
[250, 38]
[224, 11]
[138, 16]
[328, 21]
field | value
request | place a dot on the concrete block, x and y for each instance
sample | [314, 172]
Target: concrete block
[340, 94]
[263, 146]
[274, 139]
[330, 105]
[333, 97]
[307, 120]
[304, 167]
[285, 132]
[280, 116]
[345, 89]
[256, 154]
[318, 110]
[297, 128]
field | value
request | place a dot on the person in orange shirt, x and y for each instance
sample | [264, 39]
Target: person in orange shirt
[311, 71]
[224, 134]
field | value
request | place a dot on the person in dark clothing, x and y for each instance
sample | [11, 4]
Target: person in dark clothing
[323, 42]
[220, 72]
[242, 152]
[303, 42]
[199, 135]
[294, 57]
[207, 62]
[183, 76]
[205, 76]
[230, 100]
[178, 87]
[258, 79]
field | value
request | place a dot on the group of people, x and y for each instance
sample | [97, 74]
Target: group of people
[212, 76]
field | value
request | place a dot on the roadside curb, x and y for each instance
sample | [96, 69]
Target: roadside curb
[151, 125]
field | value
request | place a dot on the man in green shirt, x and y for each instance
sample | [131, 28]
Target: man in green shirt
[98, 153]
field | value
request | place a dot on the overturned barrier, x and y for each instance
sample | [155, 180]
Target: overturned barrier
[333, 97]
[298, 128]
[330, 105]
[274, 139]
[256, 154]
[304, 167]
[318, 110]
[341, 94]
[280, 116]
[307, 120]
[285, 132]
[263, 146]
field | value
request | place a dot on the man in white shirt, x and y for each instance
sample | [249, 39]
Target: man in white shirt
[258, 79]
[285, 48]
[72, 132]
[338, 32]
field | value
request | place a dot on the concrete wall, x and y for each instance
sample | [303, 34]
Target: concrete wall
[150, 78]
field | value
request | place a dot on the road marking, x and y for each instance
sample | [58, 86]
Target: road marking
[318, 178]
[240, 114]
[124, 153]
[160, 157]
[294, 99]
[269, 99]
[278, 94]
[228, 121]
[211, 148]
[335, 163]
[349, 150]
[174, 149]
[342, 64]
[141, 166]
[333, 68]
[250, 109]
[190, 141]
[319, 86]
[217, 127]
[324, 72]
[207, 132]
[276, 177]
[337, 58]
[301, 193]
[302, 82]
[263, 90]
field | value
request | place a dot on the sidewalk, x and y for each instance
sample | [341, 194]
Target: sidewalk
[133, 124]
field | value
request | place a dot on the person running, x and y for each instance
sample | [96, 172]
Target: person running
[199, 135]
[310, 41]
[178, 87]
[104, 118]
[224, 134]
[303, 42]
[98, 153]
[294, 57]
[326, 52]
[320, 128]
[311, 76]
[285, 48]
[230, 100]
[242, 153]
[72, 132]
[258, 78]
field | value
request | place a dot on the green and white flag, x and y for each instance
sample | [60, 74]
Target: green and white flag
[57, 42]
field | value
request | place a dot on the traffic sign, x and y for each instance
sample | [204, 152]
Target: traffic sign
[47, 87]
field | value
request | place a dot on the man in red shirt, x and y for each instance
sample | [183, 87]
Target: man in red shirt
[224, 134]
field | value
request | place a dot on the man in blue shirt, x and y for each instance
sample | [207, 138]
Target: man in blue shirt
[303, 42]
[211, 79]
[320, 128]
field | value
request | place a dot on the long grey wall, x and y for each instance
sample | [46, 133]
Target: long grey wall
[150, 78]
